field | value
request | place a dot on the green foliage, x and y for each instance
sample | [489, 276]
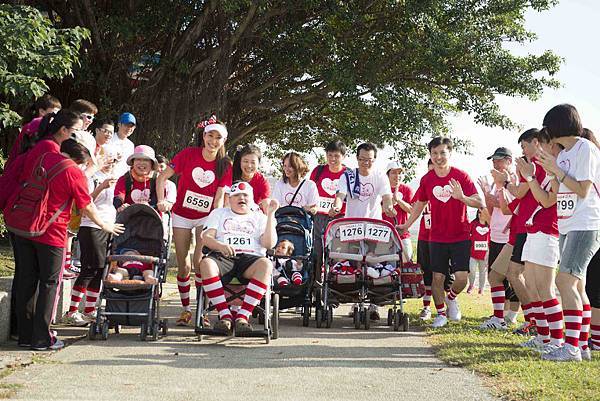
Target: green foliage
[297, 74]
[32, 51]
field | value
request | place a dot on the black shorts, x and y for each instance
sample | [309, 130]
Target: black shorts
[424, 259]
[454, 255]
[495, 248]
[234, 267]
[518, 249]
[592, 283]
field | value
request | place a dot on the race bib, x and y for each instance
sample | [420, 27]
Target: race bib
[197, 202]
[565, 204]
[374, 232]
[352, 232]
[427, 221]
[325, 204]
[239, 241]
[481, 246]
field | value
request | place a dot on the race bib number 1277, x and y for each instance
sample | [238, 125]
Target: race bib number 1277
[377, 233]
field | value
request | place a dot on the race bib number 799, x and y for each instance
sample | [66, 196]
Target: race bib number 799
[565, 204]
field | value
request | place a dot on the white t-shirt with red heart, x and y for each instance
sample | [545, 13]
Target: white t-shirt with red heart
[307, 195]
[449, 222]
[240, 231]
[198, 183]
[372, 189]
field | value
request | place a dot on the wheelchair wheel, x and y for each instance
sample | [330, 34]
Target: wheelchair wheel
[275, 317]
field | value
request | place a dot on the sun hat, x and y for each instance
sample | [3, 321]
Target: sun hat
[143, 152]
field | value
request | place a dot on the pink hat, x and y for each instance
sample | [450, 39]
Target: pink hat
[143, 152]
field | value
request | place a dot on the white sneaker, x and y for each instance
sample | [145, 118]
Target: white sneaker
[439, 321]
[425, 314]
[494, 323]
[453, 310]
[535, 343]
[548, 347]
[77, 319]
[566, 353]
[586, 354]
[594, 347]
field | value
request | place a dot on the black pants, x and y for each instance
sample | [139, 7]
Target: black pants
[320, 222]
[13, 291]
[93, 243]
[39, 268]
[495, 248]
[592, 282]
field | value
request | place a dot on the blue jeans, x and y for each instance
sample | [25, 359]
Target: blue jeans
[577, 248]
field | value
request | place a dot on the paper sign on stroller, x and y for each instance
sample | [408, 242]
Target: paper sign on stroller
[379, 233]
[352, 232]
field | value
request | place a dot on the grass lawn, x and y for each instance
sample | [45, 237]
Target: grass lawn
[512, 372]
[7, 263]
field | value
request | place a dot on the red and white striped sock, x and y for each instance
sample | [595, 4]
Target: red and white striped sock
[595, 333]
[527, 312]
[77, 294]
[554, 315]
[90, 300]
[297, 278]
[572, 326]
[540, 321]
[441, 309]
[498, 298]
[197, 280]
[213, 288]
[67, 260]
[585, 327]
[452, 295]
[183, 285]
[427, 297]
[255, 291]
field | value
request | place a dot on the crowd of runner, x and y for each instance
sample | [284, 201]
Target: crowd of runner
[536, 227]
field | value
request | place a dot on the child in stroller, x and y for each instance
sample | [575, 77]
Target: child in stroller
[282, 262]
[132, 270]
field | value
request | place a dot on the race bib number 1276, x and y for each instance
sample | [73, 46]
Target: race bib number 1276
[352, 232]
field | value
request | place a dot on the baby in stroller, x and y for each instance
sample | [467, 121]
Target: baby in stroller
[132, 270]
[286, 248]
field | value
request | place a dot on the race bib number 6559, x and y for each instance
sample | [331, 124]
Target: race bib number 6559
[197, 202]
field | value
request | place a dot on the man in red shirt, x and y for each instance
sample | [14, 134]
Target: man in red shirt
[449, 191]
[402, 196]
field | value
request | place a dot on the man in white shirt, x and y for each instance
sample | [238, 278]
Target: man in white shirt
[122, 144]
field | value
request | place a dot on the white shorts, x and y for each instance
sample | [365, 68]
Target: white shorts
[541, 249]
[182, 222]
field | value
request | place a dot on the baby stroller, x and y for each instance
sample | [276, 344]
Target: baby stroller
[295, 225]
[133, 302]
[353, 247]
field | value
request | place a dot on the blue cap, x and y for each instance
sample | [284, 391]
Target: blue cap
[127, 118]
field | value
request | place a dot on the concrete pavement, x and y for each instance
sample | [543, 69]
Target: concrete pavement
[340, 363]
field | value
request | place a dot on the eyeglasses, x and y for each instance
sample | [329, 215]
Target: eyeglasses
[89, 117]
[361, 160]
[105, 131]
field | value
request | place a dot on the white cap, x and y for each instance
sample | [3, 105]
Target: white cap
[393, 166]
[88, 141]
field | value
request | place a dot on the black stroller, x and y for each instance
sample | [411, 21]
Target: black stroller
[133, 302]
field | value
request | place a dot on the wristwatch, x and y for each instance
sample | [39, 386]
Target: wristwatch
[529, 178]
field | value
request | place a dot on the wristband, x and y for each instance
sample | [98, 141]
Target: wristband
[529, 178]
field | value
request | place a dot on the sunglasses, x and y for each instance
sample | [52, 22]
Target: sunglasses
[89, 117]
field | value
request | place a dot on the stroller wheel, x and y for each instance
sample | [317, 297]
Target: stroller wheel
[154, 331]
[143, 331]
[357, 318]
[397, 320]
[305, 315]
[275, 317]
[329, 317]
[390, 317]
[104, 332]
[405, 323]
[92, 331]
[164, 328]
[319, 318]
[365, 317]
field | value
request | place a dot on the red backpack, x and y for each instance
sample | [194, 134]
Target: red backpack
[26, 212]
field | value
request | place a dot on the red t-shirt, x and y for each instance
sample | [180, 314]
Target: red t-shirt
[449, 222]
[327, 186]
[517, 223]
[544, 219]
[406, 194]
[480, 239]
[425, 225]
[260, 187]
[32, 157]
[197, 184]
[140, 191]
[69, 186]
[528, 203]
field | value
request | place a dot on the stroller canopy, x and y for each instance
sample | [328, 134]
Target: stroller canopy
[143, 230]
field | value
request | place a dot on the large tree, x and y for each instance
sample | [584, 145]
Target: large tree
[296, 73]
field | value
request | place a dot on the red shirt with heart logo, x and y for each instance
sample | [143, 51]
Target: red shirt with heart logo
[406, 194]
[449, 222]
[327, 186]
[480, 239]
[140, 191]
[198, 183]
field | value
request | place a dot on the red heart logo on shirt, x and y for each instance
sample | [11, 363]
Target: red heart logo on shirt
[297, 201]
[231, 225]
[203, 178]
[366, 191]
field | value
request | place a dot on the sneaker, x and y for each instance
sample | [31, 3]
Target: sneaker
[523, 330]
[374, 312]
[494, 323]
[224, 326]
[439, 321]
[351, 313]
[76, 319]
[548, 347]
[480, 291]
[470, 289]
[242, 326]
[184, 319]
[453, 310]
[56, 345]
[510, 318]
[425, 314]
[586, 354]
[68, 274]
[566, 353]
[535, 343]
[594, 347]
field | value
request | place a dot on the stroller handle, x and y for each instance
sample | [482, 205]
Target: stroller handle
[133, 258]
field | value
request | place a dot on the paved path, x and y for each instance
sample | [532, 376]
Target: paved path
[340, 363]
